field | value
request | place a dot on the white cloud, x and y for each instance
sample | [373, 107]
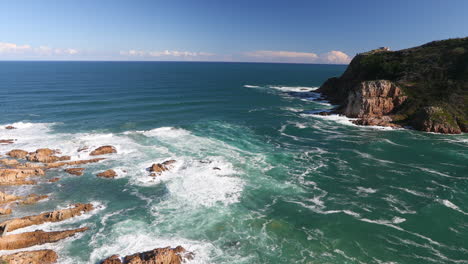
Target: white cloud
[332, 57]
[165, 53]
[12, 49]
[336, 57]
[282, 54]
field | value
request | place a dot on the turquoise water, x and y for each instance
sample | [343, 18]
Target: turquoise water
[292, 187]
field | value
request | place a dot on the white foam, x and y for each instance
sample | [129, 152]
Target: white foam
[451, 205]
[341, 119]
[294, 88]
[132, 236]
[55, 226]
[251, 86]
[361, 189]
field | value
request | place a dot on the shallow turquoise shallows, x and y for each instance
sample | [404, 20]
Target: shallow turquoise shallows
[258, 179]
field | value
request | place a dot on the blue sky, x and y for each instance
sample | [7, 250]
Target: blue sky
[327, 31]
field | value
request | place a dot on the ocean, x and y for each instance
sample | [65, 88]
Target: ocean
[258, 177]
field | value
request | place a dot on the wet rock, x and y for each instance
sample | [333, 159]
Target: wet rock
[75, 171]
[45, 256]
[5, 211]
[54, 216]
[9, 162]
[216, 168]
[18, 176]
[38, 237]
[107, 174]
[7, 141]
[71, 163]
[6, 198]
[32, 199]
[83, 148]
[18, 153]
[156, 256]
[10, 127]
[385, 121]
[323, 113]
[54, 179]
[103, 150]
[45, 155]
[158, 168]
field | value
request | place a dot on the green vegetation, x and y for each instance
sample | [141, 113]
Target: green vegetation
[431, 75]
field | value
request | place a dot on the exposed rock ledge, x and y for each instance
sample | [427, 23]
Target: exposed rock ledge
[156, 256]
[425, 88]
[45, 256]
[38, 237]
[54, 216]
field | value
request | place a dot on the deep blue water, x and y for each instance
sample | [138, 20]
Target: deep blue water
[258, 178]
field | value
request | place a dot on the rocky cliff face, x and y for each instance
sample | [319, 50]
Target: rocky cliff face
[424, 87]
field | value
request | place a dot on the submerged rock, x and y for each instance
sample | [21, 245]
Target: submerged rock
[7, 141]
[71, 163]
[107, 174]
[38, 237]
[75, 171]
[103, 150]
[156, 256]
[54, 179]
[45, 256]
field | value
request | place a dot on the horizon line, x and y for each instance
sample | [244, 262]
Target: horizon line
[253, 62]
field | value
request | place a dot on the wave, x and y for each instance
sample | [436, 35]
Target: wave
[298, 89]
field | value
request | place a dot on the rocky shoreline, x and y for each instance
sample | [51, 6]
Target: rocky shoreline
[20, 167]
[424, 88]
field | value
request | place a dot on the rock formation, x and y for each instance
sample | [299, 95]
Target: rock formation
[158, 168]
[424, 87]
[18, 153]
[38, 237]
[45, 256]
[10, 127]
[156, 256]
[107, 174]
[45, 156]
[75, 171]
[18, 176]
[55, 216]
[103, 150]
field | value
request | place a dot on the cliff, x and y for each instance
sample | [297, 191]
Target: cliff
[425, 87]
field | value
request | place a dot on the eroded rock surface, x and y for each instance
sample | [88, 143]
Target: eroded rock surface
[158, 168]
[54, 216]
[18, 153]
[156, 256]
[103, 150]
[75, 171]
[38, 237]
[107, 174]
[45, 256]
